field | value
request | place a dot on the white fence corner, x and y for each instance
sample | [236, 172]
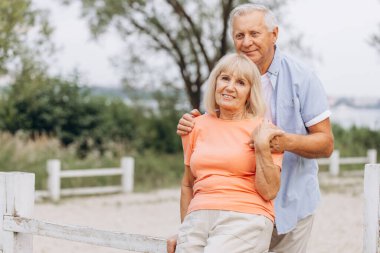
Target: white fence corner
[371, 208]
[16, 199]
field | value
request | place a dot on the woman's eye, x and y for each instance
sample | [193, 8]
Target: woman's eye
[225, 78]
[241, 82]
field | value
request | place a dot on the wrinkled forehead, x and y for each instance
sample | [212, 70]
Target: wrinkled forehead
[238, 70]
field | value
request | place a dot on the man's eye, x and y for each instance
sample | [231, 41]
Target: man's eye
[255, 34]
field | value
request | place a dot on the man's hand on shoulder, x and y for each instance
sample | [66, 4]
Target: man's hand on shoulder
[186, 123]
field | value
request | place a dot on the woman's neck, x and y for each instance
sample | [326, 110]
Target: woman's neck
[228, 115]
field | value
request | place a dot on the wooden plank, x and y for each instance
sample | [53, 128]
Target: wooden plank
[91, 172]
[90, 190]
[2, 206]
[17, 192]
[132, 242]
[128, 168]
[353, 160]
[371, 208]
[323, 161]
[54, 180]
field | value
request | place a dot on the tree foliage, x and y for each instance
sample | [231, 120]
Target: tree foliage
[24, 34]
[190, 35]
[39, 105]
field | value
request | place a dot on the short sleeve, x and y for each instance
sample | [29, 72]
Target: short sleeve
[188, 146]
[314, 101]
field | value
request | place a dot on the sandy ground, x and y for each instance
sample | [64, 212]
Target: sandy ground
[338, 225]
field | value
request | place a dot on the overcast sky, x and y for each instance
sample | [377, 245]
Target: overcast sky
[337, 30]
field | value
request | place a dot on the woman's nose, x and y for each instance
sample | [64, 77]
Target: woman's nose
[230, 85]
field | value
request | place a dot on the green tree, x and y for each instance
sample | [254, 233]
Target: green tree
[38, 104]
[24, 33]
[187, 37]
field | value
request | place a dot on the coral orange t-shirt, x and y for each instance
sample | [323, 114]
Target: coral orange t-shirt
[224, 166]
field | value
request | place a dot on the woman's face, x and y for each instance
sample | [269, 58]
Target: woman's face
[231, 92]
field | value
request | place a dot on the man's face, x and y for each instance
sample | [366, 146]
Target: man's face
[252, 38]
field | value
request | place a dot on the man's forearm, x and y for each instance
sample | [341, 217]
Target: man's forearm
[316, 145]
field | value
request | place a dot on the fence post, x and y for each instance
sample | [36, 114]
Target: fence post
[54, 179]
[16, 199]
[127, 166]
[372, 156]
[334, 163]
[371, 208]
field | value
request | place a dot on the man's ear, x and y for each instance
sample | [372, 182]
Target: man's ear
[275, 34]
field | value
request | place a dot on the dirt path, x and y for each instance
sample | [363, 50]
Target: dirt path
[337, 227]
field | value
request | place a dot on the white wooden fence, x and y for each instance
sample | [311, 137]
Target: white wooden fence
[126, 170]
[335, 160]
[17, 227]
[55, 174]
[371, 208]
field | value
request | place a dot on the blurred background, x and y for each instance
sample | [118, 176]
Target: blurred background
[91, 81]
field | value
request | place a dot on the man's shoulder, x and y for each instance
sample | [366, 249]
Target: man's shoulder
[296, 65]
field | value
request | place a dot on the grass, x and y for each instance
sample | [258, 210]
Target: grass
[152, 170]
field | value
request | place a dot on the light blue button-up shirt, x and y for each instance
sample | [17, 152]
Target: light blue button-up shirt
[298, 101]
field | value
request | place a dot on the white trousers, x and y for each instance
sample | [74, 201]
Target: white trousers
[216, 231]
[294, 241]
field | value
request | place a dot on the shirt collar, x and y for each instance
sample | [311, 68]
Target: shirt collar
[275, 66]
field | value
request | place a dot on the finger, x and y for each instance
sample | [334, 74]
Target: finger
[170, 246]
[183, 130]
[273, 133]
[182, 133]
[195, 113]
[185, 122]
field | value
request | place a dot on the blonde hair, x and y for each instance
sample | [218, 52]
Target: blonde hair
[241, 66]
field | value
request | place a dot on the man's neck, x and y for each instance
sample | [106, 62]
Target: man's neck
[268, 61]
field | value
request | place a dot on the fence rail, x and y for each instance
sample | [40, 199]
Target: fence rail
[17, 228]
[55, 174]
[335, 160]
[126, 170]
[117, 240]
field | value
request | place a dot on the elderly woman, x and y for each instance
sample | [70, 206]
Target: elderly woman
[228, 187]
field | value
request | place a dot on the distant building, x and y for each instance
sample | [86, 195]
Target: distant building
[360, 112]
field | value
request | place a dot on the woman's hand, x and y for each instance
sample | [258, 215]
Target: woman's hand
[267, 135]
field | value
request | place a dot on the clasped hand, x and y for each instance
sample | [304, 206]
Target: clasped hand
[267, 135]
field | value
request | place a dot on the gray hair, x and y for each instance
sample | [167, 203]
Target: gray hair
[243, 9]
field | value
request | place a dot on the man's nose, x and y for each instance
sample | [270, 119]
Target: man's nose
[247, 41]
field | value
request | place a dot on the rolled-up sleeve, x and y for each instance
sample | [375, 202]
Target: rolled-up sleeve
[314, 101]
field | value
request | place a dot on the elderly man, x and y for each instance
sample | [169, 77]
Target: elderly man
[296, 103]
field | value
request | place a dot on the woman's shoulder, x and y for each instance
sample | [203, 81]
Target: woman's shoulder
[204, 118]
